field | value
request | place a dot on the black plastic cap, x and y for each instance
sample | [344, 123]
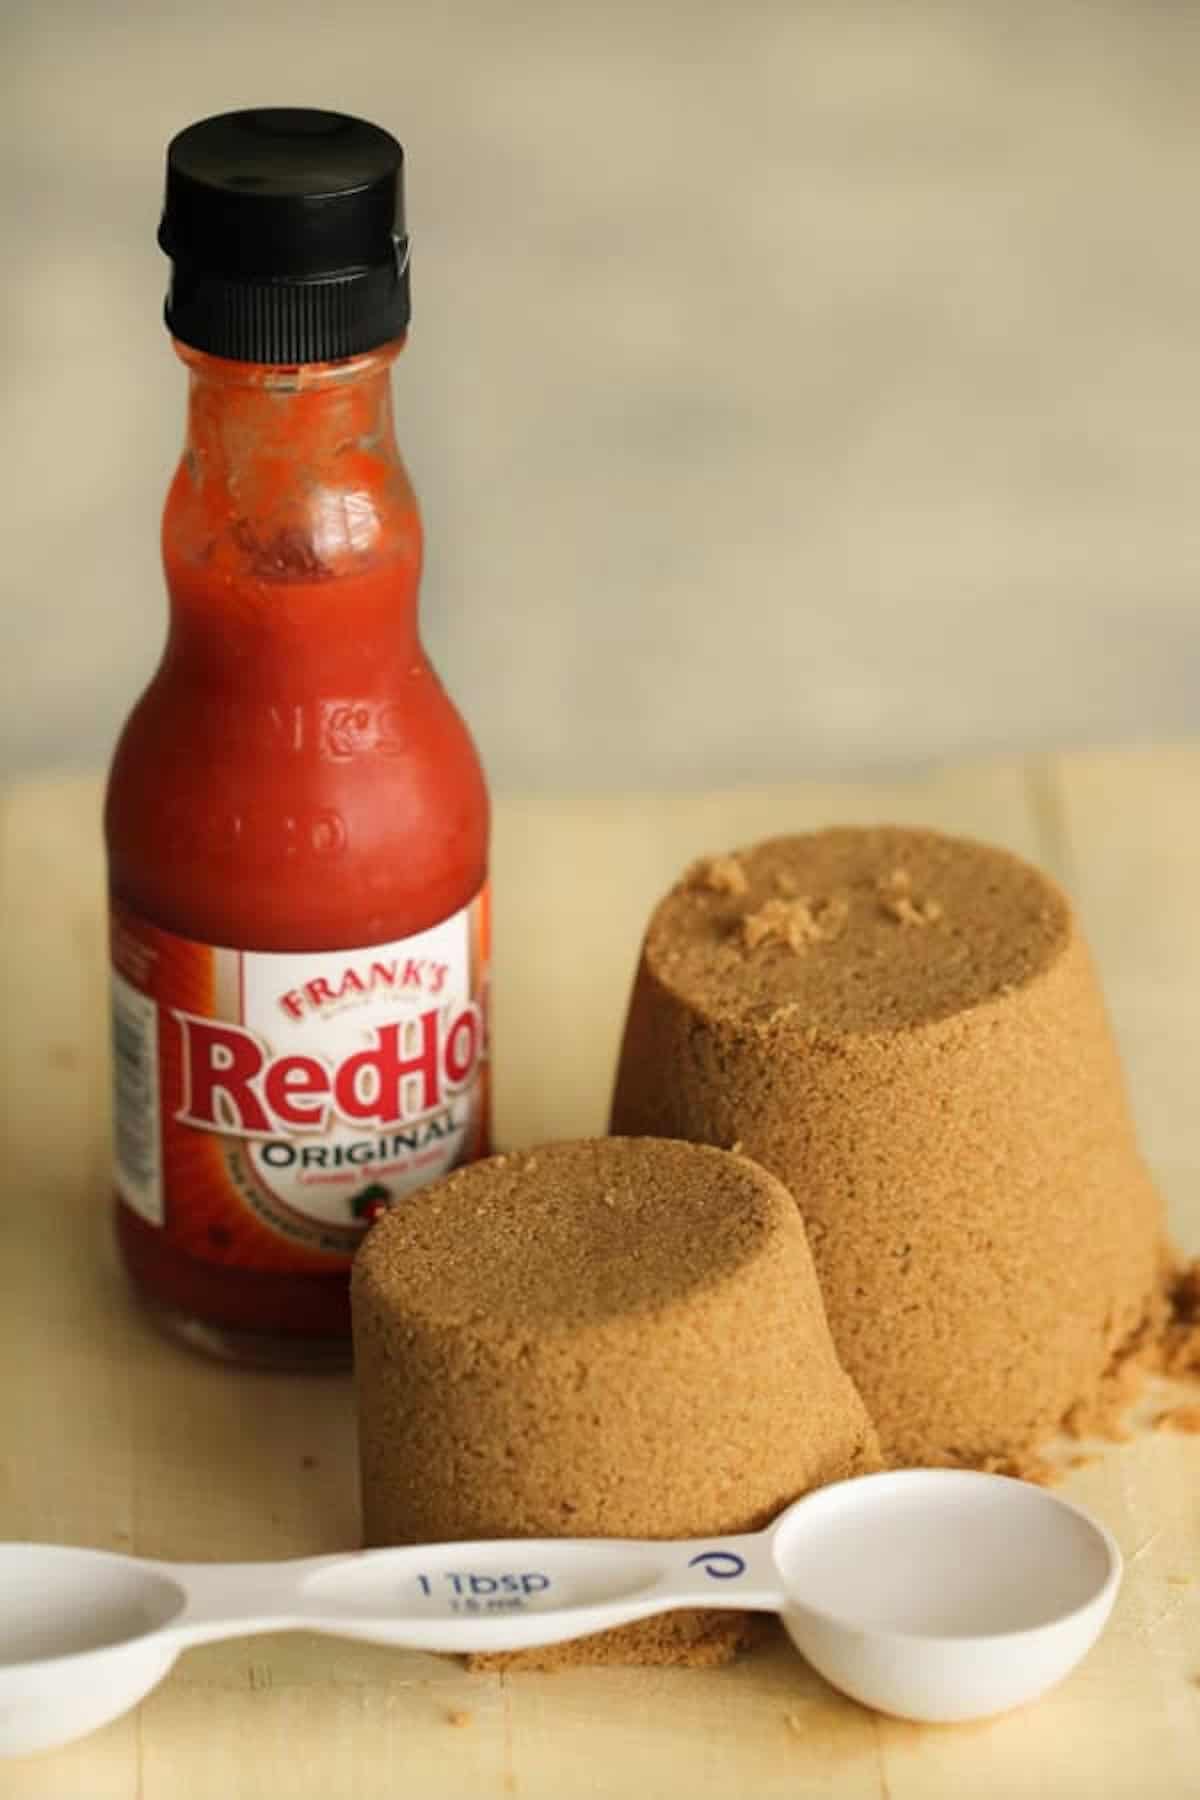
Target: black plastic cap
[285, 229]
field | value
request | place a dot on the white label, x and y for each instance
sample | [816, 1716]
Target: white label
[138, 1146]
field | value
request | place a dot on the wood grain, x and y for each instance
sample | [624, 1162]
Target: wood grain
[109, 1436]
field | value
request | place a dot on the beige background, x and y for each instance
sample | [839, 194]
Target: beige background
[792, 387]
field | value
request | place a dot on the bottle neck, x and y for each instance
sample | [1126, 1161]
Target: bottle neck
[291, 490]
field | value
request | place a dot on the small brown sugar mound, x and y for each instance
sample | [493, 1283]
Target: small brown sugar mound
[608, 1338]
[719, 875]
[460, 1718]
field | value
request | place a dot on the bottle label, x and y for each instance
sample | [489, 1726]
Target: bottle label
[267, 1104]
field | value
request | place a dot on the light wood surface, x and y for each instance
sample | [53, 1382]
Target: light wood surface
[109, 1436]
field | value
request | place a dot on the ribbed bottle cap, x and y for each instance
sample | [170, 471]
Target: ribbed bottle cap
[285, 229]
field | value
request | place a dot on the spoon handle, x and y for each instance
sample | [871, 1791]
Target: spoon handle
[493, 1595]
[226, 1600]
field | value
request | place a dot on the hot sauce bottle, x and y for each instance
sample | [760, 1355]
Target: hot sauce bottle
[296, 821]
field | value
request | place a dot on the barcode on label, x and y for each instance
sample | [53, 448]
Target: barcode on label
[135, 1100]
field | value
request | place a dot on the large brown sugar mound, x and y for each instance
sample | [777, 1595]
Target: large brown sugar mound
[907, 1029]
[607, 1338]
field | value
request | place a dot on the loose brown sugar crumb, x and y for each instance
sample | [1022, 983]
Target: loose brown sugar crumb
[1186, 1291]
[1185, 1419]
[1181, 1345]
[896, 901]
[796, 923]
[1167, 1342]
[794, 1723]
[720, 875]
[832, 914]
[906, 911]
[1024, 1467]
[780, 921]
[459, 1717]
[1102, 1413]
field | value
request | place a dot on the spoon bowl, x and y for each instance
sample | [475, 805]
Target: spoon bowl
[82, 1640]
[941, 1595]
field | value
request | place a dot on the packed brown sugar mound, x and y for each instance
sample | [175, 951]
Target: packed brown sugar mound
[606, 1338]
[907, 1029]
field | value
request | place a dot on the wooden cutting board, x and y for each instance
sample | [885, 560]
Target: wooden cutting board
[109, 1436]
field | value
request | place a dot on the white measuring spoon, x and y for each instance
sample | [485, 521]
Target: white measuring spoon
[933, 1594]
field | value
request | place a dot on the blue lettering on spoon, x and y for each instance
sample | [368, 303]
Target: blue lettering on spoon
[722, 1565]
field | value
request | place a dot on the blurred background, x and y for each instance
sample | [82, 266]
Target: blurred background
[792, 388]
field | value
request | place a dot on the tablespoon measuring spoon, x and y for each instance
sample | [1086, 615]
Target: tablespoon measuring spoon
[933, 1594]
